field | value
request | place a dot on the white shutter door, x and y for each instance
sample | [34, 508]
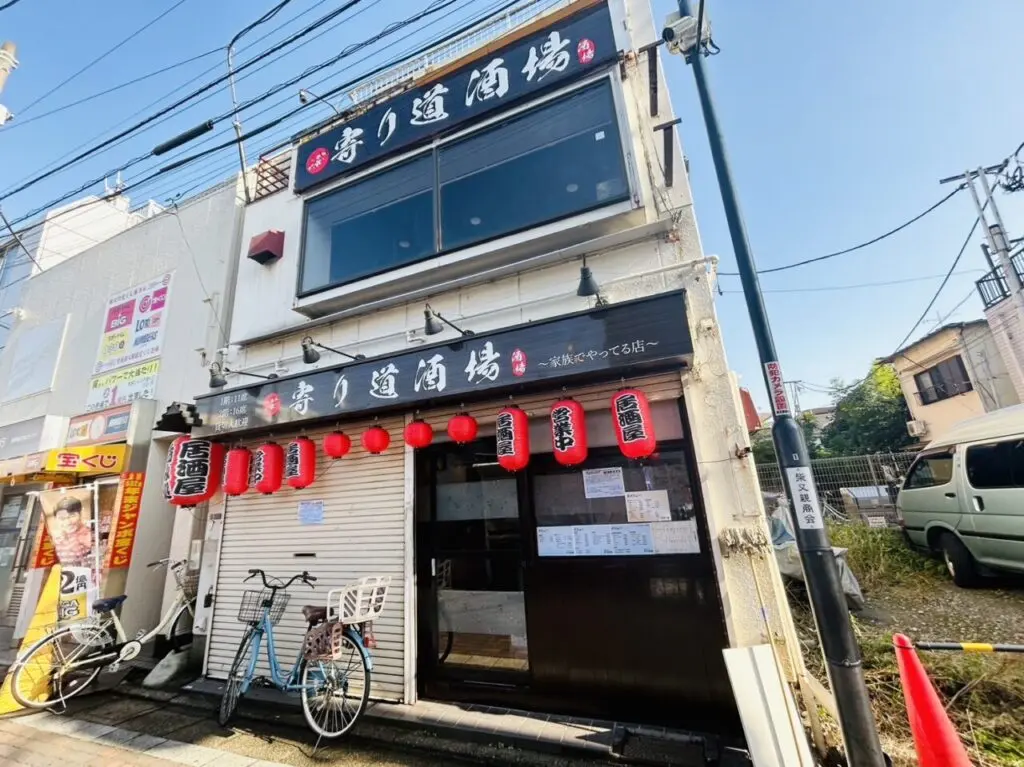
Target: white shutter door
[363, 534]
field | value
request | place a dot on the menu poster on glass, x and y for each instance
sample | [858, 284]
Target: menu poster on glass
[648, 506]
[604, 483]
[595, 541]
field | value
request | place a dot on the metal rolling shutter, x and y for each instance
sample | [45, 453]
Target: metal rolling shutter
[363, 533]
[14, 607]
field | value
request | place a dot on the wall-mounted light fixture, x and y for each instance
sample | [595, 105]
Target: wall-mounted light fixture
[433, 323]
[310, 354]
[218, 372]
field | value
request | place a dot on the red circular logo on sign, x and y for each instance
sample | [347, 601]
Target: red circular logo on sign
[145, 303]
[317, 161]
[518, 363]
[585, 51]
[272, 405]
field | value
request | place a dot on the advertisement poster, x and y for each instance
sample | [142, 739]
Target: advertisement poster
[68, 514]
[133, 327]
[76, 589]
[122, 542]
[122, 387]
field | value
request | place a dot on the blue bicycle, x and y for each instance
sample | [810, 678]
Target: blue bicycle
[332, 670]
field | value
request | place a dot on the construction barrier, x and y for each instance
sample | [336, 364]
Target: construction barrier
[935, 739]
[970, 646]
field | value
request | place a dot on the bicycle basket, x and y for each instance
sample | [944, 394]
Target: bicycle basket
[364, 600]
[324, 641]
[253, 602]
[188, 582]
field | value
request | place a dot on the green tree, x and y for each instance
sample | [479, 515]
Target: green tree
[763, 448]
[870, 417]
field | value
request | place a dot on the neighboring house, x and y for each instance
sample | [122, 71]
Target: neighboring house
[60, 234]
[953, 373]
[511, 226]
[750, 414]
[1004, 313]
[104, 341]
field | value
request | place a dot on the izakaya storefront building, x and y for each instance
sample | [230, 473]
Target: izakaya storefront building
[546, 454]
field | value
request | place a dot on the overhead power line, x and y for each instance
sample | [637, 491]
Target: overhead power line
[185, 99]
[99, 58]
[865, 244]
[8, 4]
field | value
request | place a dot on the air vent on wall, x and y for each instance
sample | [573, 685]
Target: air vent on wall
[266, 248]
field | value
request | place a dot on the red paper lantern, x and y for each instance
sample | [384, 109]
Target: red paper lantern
[337, 444]
[463, 428]
[419, 434]
[236, 470]
[376, 440]
[569, 432]
[267, 468]
[512, 428]
[300, 463]
[193, 471]
[634, 426]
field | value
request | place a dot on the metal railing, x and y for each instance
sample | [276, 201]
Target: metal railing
[993, 287]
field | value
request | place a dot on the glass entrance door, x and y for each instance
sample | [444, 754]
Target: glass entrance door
[470, 548]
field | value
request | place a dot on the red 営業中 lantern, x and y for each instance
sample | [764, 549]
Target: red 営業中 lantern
[193, 471]
[376, 440]
[300, 463]
[569, 432]
[512, 429]
[419, 434]
[634, 426]
[462, 428]
[236, 470]
[337, 444]
[267, 468]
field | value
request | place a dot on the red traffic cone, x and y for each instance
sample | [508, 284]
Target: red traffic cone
[935, 738]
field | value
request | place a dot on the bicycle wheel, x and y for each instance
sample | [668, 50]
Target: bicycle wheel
[180, 635]
[334, 692]
[41, 678]
[233, 685]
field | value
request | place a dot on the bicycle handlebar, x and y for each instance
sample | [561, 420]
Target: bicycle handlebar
[304, 576]
[166, 561]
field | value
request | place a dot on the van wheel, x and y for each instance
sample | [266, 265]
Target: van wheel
[959, 562]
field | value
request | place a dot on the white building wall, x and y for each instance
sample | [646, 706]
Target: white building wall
[987, 368]
[1004, 319]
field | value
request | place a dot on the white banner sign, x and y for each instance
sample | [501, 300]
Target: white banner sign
[123, 386]
[133, 325]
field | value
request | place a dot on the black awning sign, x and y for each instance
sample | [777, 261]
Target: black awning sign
[608, 340]
[567, 49]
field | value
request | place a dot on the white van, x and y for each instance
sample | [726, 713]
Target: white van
[963, 497]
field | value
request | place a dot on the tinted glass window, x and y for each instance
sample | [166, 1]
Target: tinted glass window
[999, 464]
[930, 471]
[371, 226]
[549, 163]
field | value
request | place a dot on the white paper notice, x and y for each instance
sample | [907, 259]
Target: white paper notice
[648, 506]
[603, 483]
[808, 510]
[679, 537]
[556, 541]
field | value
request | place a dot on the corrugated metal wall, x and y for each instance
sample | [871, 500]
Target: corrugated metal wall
[363, 533]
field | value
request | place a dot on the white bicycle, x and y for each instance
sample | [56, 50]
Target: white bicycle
[62, 664]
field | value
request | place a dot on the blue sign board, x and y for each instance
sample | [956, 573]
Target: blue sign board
[563, 51]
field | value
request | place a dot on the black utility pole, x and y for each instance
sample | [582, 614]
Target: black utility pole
[840, 648]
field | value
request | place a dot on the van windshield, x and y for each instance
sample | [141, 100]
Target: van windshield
[930, 471]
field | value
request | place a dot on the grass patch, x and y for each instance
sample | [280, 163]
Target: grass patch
[880, 557]
[983, 694]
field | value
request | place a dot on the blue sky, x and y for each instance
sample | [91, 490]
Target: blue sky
[839, 119]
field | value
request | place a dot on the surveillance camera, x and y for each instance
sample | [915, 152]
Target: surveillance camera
[680, 32]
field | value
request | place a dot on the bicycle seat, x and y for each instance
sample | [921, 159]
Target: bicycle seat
[314, 613]
[109, 604]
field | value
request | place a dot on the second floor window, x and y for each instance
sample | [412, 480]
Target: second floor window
[557, 160]
[947, 379]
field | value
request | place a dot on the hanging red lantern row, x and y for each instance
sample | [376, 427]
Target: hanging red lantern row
[569, 432]
[376, 440]
[337, 444]
[267, 468]
[512, 429]
[237, 466]
[300, 463]
[463, 428]
[419, 434]
[634, 426]
[193, 471]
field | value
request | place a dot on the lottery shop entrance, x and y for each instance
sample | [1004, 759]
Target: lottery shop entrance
[540, 590]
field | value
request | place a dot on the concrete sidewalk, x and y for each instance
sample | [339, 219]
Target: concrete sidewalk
[44, 740]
